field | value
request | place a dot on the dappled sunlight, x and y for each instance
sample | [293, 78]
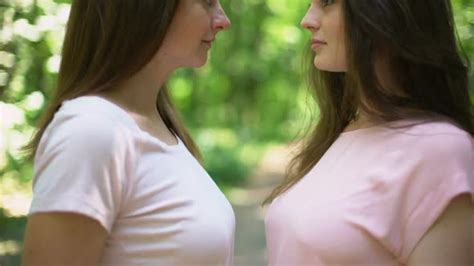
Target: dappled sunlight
[10, 140]
[268, 173]
[275, 160]
[15, 204]
[246, 196]
[211, 137]
[242, 107]
[10, 247]
[15, 197]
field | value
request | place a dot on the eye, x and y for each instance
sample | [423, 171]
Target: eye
[325, 3]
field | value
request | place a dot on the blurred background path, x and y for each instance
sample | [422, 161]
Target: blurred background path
[250, 231]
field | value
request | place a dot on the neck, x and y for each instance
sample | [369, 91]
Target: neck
[361, 121]
[139, 93]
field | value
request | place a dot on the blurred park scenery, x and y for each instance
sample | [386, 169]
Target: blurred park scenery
[243, 107]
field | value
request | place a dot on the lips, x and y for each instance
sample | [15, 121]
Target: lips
[316, 43]
[209, 42]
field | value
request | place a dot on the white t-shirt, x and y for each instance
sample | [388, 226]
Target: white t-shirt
[157, 203]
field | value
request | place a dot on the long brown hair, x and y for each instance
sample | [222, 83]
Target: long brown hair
[106, 42]
[425, 59]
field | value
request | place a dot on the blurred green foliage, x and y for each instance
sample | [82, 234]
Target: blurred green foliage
[248, 95]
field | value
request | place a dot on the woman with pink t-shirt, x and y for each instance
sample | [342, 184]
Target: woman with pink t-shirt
[387, 175]
[117, 179]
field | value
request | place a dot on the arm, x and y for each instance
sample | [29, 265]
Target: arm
[63, 239]
[450, 241]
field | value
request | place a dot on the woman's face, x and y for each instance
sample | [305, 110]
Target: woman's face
[324, 19]
[192, 32]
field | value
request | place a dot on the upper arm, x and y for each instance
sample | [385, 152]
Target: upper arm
[63, 239]
[450, 241]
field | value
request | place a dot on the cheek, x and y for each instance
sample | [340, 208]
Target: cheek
[341, 56]
[338, 51]
[342, 48]
[187, 33]
[332, 60]
[177, 44]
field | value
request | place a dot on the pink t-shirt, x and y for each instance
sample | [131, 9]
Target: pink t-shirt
[372, 196]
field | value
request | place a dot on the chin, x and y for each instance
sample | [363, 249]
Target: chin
[324, 65]
[198, 62]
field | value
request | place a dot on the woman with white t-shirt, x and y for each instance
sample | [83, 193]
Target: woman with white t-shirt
[387, 175]
[116, 179]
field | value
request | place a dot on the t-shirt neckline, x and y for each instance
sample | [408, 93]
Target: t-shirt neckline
[131, 122]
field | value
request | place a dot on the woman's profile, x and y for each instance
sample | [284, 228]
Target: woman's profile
[117, 178]
[387, 175]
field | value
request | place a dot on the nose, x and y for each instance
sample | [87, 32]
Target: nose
[220, 20]
[310, 21]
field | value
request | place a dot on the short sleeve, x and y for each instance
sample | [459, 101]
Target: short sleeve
[446, 171]
[81, 166]
[408, 186]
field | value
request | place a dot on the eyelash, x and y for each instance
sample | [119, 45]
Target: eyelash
[325, 3]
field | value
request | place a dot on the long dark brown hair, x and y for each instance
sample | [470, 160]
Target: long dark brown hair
[424, 56]
[106, 42]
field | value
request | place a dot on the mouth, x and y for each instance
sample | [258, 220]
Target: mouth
[316, 43]
[208, 42]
